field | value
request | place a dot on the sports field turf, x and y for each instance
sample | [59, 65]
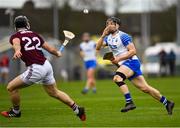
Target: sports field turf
[103, 108]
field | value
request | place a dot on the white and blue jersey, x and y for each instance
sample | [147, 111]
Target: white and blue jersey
[118, 45]
[89, 50]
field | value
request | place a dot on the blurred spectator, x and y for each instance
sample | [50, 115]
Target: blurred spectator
[88, 54]
[4, 68]
[163, 62]
[64, 75]
[172, 62]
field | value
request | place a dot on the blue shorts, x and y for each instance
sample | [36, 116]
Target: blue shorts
[90, 64]
[134, 65]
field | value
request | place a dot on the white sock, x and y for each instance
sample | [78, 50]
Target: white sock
[75, 108]
[86, 87]
[94, 88]
[16, 111]
[76, 111]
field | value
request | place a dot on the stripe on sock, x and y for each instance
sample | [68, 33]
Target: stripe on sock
[128, 97]
[74, 106]
[163, 100]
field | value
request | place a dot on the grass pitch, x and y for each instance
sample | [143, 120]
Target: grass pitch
[103, 108]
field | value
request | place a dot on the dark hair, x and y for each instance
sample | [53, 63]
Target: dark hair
[21, 22]
[115, 20]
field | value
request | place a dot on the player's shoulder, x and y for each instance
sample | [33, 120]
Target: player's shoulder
[92, 42]
[124, 35]
[35, 33]
[82, 44]
[14, 35]
[29, 32]
[121, 33]
[125, 38]
[24, 32]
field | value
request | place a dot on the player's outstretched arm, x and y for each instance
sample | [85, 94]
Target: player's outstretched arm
[51, 49]
[17, 48]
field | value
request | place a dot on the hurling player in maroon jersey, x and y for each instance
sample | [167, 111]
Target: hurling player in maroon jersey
[27, 46]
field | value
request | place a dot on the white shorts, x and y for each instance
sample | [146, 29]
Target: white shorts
[4, 70]
[38, 74]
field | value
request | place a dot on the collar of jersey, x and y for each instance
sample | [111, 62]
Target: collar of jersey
[114, 35]
[20, 30]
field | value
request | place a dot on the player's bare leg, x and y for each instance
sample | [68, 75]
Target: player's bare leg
[13, 87]
[122, 73]
[53, 91]
[141, 84]
[90, 81]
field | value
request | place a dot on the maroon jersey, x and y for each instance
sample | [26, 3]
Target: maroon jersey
[31, 45]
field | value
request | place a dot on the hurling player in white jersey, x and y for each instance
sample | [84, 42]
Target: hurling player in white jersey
[88, 53]
[124, 53]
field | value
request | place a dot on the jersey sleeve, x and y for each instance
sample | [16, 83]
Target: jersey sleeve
[94, 44]
[80, 47]
[126, 39]
[11, 39]
[105, 41]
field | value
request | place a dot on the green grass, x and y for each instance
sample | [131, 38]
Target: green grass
[103, 108]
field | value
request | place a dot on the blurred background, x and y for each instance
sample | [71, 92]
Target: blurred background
[153, 24]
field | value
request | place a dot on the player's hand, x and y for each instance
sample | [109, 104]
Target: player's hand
[17, 54]
[59, 54]
[107, 30]
[115, 60]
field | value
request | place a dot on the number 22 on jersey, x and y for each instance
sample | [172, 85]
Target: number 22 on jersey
[28, 46]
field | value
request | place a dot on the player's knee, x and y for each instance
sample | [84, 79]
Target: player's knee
[119, 78]
[145, 89]
[9, 87]
[53, 93]
[92, 81]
